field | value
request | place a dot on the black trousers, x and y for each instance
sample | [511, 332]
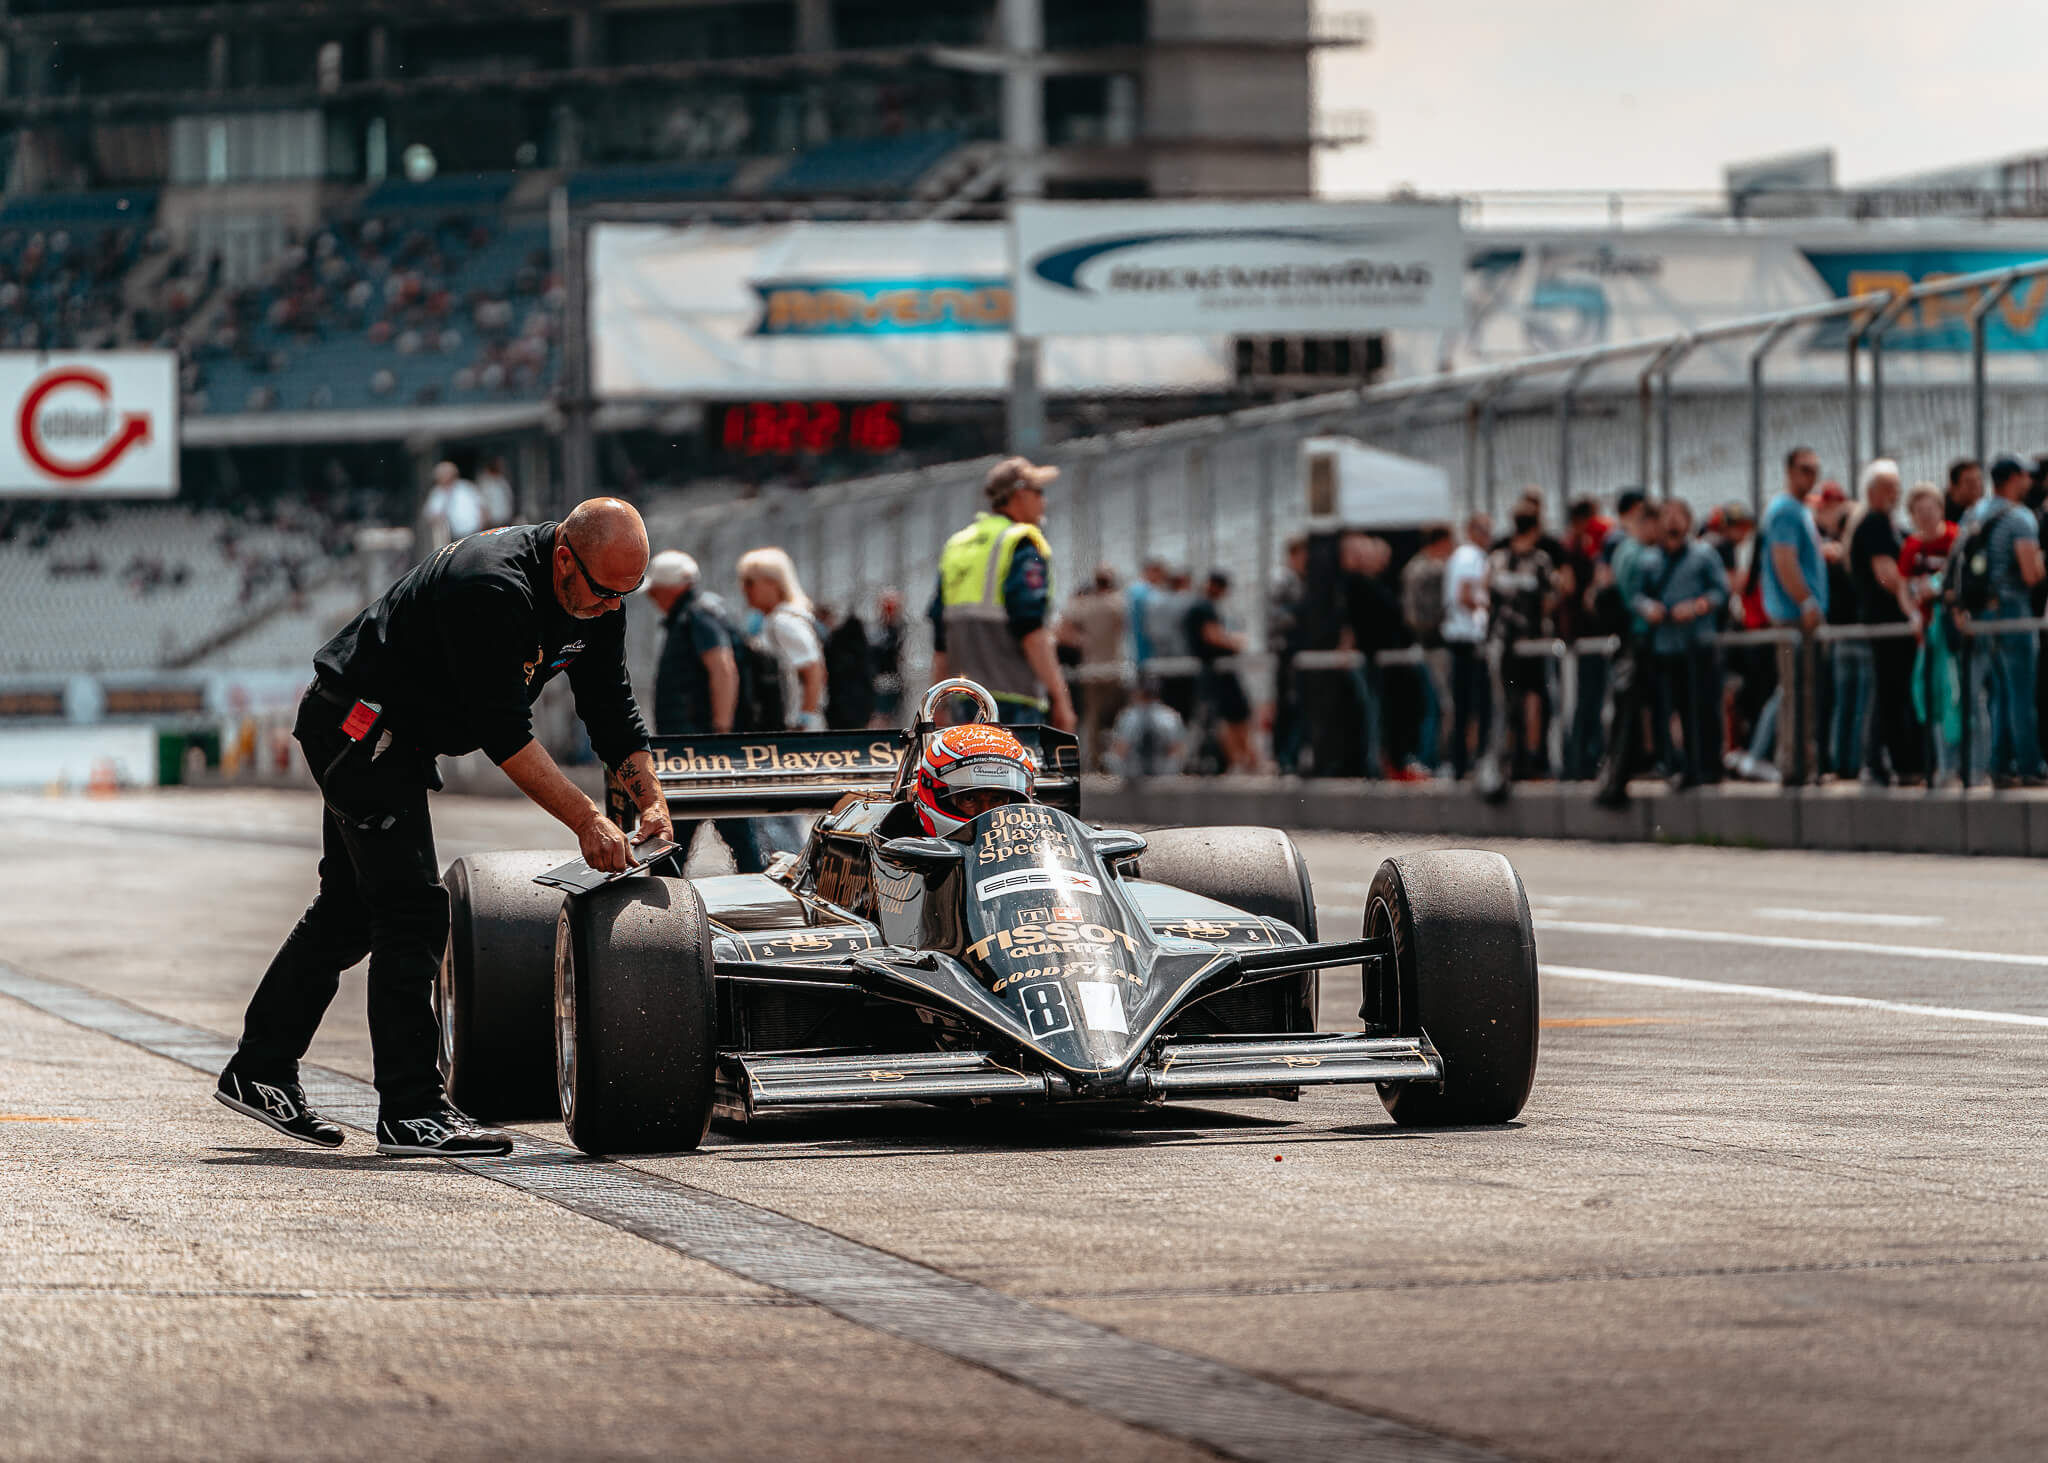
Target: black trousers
[1689, 688]
[381, 896]
[1893, 726]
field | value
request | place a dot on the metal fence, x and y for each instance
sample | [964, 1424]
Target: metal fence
[1226, 491]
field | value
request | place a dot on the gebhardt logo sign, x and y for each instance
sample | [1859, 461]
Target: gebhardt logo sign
[1325, 268]
[52, 424]
[90, 423]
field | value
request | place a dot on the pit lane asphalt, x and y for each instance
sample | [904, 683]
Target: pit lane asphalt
[1727, 1225]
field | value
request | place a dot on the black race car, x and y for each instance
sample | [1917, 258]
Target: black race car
[1032, 959]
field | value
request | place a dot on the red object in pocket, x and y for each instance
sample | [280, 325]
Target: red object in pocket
[361, 717]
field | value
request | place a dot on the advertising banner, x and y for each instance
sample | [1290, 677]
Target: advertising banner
[89, 424]
[1534, 293]
[1236, 268]
[841, 310]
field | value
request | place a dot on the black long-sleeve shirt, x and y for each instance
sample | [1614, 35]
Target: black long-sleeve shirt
[458, 650]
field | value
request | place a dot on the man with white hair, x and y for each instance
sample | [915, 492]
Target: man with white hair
[454, 508]
[697, 679]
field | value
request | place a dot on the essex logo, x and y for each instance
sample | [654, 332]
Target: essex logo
[53, 436]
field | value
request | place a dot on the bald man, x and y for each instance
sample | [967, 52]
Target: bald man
[450, 660]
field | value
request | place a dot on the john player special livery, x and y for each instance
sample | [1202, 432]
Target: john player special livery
[953, 932]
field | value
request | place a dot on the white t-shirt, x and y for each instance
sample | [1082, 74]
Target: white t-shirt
[794, 639]
[1467, 565]
[459, 505]
[497, 496]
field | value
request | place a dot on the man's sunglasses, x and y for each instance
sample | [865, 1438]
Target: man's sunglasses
[595, 588]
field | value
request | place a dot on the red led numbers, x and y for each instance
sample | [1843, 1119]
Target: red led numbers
[790, 428]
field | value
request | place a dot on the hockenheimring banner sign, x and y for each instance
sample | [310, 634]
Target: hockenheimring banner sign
[1237, 268]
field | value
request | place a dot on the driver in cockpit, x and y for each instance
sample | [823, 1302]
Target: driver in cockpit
[964, 772]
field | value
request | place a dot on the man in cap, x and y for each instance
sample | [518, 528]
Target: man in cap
[698, 680]
[995, 582]
[448, 661]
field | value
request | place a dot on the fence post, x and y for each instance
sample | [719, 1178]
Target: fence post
[1757, 353]
[1644, 431]
[1668, 360]
[1980, 319]
[1269, 487]
[1885, 320]
[1565, 399]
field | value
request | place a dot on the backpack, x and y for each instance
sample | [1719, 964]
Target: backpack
[760, 706]
[849, 675]
[1968, 576]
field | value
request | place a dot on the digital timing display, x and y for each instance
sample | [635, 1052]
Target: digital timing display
[793, 428]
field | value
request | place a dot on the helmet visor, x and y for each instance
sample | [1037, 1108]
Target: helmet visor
[970, 788]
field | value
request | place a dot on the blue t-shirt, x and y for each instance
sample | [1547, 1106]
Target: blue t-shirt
[2015, 525]
[1789, 521]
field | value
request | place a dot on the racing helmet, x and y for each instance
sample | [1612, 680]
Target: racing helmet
[965, 771]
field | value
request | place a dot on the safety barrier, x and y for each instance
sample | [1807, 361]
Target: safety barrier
[1798, 749]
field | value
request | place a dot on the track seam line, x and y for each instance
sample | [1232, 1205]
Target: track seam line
[1193, 1399]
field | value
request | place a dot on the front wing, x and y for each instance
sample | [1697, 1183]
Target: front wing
[753, 1083]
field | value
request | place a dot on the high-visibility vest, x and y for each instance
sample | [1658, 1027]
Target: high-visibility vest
[979, 645]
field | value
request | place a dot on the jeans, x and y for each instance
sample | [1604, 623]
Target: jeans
[1894, 737]
[2005, 737]
[1471, 704]
[1584, 738]
[1855, 679]
[1368, 682]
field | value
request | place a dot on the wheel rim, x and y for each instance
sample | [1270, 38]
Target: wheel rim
[444, 1011]
[1381, 924]
[565, 1020]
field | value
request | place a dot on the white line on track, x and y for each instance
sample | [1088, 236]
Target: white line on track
[1851, 917]
[1789, 942]
[1781, 993]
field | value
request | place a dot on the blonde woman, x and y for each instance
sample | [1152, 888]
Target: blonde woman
[769, 583]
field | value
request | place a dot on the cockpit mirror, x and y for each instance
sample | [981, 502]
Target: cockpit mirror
[924, 853]
[1116, 844]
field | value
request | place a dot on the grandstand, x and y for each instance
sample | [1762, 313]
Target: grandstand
[142, 588]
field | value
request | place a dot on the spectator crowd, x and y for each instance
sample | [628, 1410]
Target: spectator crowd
[1897, 624]
[1637, 638]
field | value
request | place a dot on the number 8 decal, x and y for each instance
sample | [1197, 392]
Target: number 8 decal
[1045, 1009]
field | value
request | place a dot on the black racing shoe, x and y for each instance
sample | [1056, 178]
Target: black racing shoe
[280, 1105]
[440, 1132]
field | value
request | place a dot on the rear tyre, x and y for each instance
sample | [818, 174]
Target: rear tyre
[495, 993]
[636, 1026]
[1257, 870]
[1464, 973]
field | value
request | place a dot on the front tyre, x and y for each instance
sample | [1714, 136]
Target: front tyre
[494, 993]
[1257, 870]
[636, 1028]
[1464, 973]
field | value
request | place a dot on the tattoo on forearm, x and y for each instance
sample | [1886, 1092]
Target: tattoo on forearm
[639, 784]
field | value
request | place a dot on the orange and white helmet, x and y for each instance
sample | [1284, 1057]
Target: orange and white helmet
[965, 771]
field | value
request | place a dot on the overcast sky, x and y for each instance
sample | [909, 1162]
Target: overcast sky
[1491, 94]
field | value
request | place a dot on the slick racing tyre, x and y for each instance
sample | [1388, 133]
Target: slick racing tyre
[1464, 973]
[1257, 870]
[636, 1025]
[494, 997]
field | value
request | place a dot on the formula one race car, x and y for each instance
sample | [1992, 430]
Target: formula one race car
[1018, 956]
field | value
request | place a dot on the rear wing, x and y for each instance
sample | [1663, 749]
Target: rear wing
[753, 775]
